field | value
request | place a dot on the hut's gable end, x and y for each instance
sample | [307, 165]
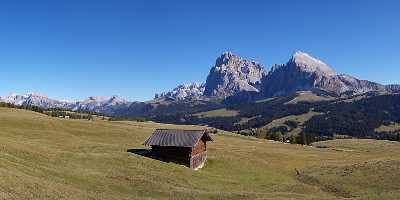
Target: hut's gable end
[199, 153]
[199, 147]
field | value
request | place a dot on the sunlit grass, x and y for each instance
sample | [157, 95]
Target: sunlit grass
[50, 158]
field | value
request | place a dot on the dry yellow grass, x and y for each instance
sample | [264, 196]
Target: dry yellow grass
[50, 158]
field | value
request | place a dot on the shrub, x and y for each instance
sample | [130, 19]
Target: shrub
[277, 136]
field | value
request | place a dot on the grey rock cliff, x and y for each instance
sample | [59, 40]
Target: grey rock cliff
[232, 74]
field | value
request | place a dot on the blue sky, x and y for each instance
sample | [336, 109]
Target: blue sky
[76, 48]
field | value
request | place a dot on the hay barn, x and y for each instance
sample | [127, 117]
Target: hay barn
[186, 147]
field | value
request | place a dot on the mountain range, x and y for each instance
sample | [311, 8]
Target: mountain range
[230, 76]
[104, 105]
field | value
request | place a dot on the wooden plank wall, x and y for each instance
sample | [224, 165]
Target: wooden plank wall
[200, 147]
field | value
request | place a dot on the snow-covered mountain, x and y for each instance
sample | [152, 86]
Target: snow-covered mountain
[184, 91]
[92, 104]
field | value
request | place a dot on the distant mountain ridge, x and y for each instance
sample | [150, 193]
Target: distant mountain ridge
[36, 99]
[98, 104]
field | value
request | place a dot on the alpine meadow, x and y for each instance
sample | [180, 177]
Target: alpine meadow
[219, 100]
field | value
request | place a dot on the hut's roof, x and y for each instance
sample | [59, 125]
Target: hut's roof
[176, 138]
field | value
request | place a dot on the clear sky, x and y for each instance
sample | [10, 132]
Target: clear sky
[77, 48]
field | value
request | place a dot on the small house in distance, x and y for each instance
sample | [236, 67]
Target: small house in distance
[186, 147]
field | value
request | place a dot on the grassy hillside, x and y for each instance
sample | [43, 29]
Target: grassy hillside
[51, 158]
[299, 119]
[223, 112]
[308, 96]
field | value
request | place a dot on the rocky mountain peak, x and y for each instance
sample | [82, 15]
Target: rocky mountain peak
[115, 100]
[226, 58]
[232, 74]
[308, 63]
[189, 90]
[305, 72]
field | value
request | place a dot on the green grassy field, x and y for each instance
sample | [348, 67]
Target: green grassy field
[300, 119]
[50, 158]
[307, 96]
[223, 112]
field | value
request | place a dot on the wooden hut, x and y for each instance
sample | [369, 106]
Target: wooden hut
[186, 147]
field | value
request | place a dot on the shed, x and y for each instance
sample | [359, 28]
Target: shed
[186, 147]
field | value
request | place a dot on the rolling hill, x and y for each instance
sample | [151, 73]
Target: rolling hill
[51, 158]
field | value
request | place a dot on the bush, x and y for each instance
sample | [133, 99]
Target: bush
[277, 136]
[305, 138]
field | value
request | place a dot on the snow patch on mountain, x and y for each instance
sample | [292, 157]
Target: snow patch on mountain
[310, 64]
[304, 72]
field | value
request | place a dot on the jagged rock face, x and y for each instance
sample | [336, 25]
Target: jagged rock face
[232, 74]
[184, 91]
[304, 72]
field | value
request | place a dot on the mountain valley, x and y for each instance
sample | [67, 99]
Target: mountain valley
[258, 98]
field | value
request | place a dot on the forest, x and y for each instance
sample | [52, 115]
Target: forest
[342, 117]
